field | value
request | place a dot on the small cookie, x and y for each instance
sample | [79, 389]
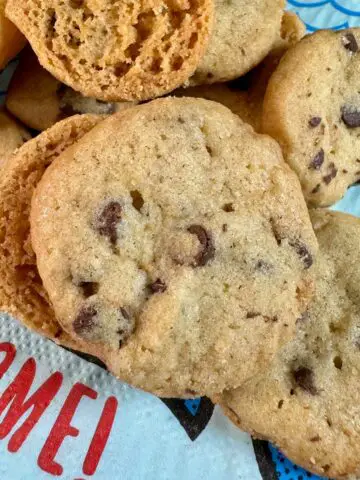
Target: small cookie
[21, 291]
[308, 402]
[116, 50]
[176, 241]
[12, 136]
[244, 32]
[39, 100]
[312, 107]
[11, 39]
[244, 96]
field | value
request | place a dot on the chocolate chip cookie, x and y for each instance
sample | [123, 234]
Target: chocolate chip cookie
[39, 100]
[12, 136]
[176, 241]
[21, 290]
[312, 107]
[307, 403]
[244, 96]
[116, 51]
[244, 33]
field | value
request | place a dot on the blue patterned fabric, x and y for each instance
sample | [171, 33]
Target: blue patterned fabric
[335, 14]
[286, 470]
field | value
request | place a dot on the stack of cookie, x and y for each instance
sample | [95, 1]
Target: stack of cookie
[169, 238]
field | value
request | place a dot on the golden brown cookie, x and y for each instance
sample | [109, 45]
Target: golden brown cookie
[244, 33]
[175, 240]
[312, 108]
[11, 39]
[116, 50]
[244, 96]
[21, 291]
[39, 100]
[308, 401]
[12, 136]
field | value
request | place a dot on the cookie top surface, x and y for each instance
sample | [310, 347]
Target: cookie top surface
[308, 402]
[172, 237]
[39, 100]
[12, 136]
[21, 291]
[243, 34]
[244, 96]
[116, 50]
[312, 108]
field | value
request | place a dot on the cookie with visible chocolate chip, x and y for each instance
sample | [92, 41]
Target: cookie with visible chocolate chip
[175, 240]
[39, 100]
[312, 107]
[21, 291]
[307, 403]
[118, 50]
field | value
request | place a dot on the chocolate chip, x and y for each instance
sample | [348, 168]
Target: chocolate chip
[228, 207]
[314, 122]
[338, 363]
[125, 313]
[316, 189]
[137, 200]
[350, 43]
[304, 378]
[316, 438]
[85, 319]
[317, 161]
[158, 286]
[126, 325]
[331, 175]
[89, 288]
[225, 227]
[275, 231]
[252, 314]
[108, 219]
[303, 252]
[263, 266]
[350, 115]
[207, 251]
